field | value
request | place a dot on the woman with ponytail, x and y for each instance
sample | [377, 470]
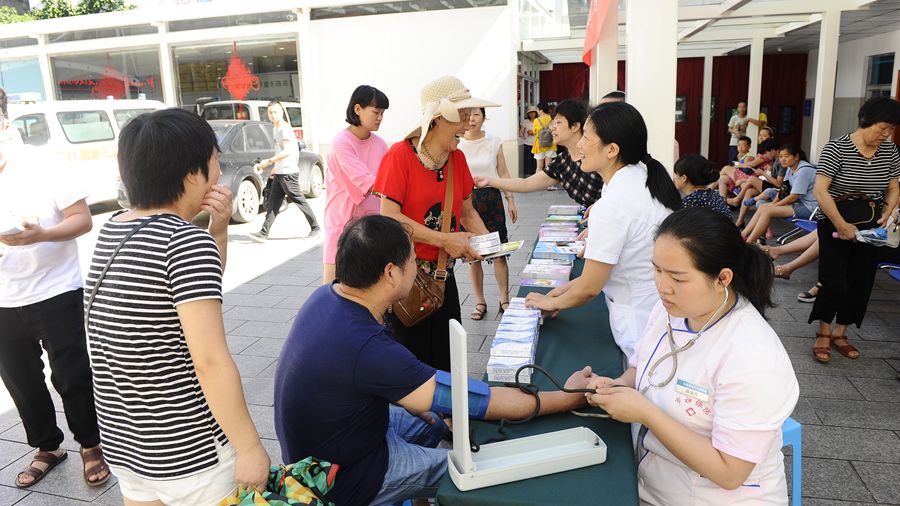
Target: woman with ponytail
[710, 384]
[638, 194]
[692, 177]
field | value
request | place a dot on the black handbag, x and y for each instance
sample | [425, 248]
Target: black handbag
[859, 210]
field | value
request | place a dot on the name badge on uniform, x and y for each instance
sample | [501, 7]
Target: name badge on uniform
[692, 390]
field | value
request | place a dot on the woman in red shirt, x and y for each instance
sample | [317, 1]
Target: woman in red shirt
[411, 182]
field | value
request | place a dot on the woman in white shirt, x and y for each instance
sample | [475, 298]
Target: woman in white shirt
[638, 194]
[485, 158]
[710, 384]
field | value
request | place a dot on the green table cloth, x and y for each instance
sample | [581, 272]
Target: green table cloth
[575, 338]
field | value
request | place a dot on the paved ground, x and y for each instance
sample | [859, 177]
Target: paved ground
[850, 410]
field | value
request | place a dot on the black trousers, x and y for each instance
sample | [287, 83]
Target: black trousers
[57, 324]
[286, 185]
[847, 273]
[429, 341]
[530, 166]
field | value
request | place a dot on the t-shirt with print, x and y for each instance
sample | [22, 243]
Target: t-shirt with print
[403, 179]
[285, 139]
[36, 188]
[153, 417]
[734, 386]
[338, 372]
[802, 183]
[583, 187]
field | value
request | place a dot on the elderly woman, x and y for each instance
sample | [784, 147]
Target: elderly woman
[866, 162]
[412, 180]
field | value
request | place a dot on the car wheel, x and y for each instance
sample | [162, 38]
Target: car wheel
[246, 202]
[316, 181]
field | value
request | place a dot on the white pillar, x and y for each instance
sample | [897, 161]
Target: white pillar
[308, 81]
[827, 67]
[604, 58]
[166, 70]
[46, 72]
[651, 40]
[706, 107]
[754, 87]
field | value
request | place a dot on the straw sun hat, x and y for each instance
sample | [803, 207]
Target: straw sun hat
[444, 96]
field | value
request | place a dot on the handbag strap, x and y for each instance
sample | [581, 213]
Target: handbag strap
[440, 274]
[90, 301]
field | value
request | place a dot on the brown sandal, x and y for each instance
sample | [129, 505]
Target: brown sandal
[477, 314]
[37, 474]
[94, 454]
[846, 349]
[779, 272]
[822, 353]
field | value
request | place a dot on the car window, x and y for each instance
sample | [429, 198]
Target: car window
[237, 145]
[295, 116]
[255, 139]
[34, 129]
[264, 114]
[123, 116]
[86, 126]
[218, 111]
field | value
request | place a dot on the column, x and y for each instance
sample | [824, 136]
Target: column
[308, 81]
[166, 71]
[754, 87]
[46, 72]
[706, 107]
[604, 57]
[651, 40]
[825, 75]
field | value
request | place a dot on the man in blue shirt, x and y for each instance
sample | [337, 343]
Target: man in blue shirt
[348, 392]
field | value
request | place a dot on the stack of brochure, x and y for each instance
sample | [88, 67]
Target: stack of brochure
[561, 250]
[565, 210]
[514, 343]
[546, 275]
[486, 244]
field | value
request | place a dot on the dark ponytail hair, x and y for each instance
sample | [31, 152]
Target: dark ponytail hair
[699, 170]
[621, 123]
[794, 150]
[713, 243]
[575, 111]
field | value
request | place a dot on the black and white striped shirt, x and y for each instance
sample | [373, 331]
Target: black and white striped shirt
[153, 417]
[850, 172]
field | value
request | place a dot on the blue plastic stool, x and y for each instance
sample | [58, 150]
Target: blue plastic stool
[792, 434]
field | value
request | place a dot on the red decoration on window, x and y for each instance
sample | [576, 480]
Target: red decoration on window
[111, 85]
[239, 80]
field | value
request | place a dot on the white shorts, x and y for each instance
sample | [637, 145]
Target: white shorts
[550, 155]
[206, 488]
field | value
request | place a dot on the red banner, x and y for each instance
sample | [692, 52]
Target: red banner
[599, 9]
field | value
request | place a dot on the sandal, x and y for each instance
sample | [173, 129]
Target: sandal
[822, 353]
[846, 349]
[504, 306]
[808, 296]
[36, 474]
[94, 454]
[779, 270]
[478, 313]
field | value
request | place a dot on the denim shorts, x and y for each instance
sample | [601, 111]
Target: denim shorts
[415, 466]
[801, 212]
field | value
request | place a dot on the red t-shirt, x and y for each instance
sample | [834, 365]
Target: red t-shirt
[403, 179]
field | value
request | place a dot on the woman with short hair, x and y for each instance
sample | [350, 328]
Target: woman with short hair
[867, 162]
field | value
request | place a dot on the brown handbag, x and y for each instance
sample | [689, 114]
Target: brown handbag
[427, 294]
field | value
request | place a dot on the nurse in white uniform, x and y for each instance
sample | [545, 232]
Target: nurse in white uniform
[637, 195]
[710, 384]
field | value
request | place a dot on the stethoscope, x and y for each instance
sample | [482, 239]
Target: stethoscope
[673, 354]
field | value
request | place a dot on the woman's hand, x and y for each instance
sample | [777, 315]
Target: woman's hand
[456, 245]
[482, 181]
[622, 403]
[885, 215]
[511, 208]
[546, 303]
[251, 468]
[846, 232]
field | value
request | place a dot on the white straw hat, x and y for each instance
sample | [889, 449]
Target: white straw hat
[444, 96]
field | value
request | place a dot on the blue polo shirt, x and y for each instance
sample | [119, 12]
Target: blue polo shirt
[337, 374]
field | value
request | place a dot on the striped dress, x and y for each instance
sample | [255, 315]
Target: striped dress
[153, 417]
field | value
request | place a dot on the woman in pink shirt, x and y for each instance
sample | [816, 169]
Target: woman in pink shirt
[353, 162]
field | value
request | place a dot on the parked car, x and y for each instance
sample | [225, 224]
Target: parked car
[83, 133]
[243, 144]
[252, 110]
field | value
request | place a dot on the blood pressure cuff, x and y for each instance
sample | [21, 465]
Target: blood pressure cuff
[479, 396]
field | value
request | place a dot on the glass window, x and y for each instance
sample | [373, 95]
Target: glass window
[34, 129]
[19, 42]
[123, 116]
[121, 31]
[881, 70]
[257, 140]
[244, 19]
[295, 116]
[264, 114]
[86, 126]
[21, 76]
[125, 73]
[404, 6]
[218, 111]
[237, 145]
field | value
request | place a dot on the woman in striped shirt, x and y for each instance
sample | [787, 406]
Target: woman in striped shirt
[173, 421]
[864, 161]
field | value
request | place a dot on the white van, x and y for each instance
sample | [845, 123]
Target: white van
[253, 110]
[84, 133]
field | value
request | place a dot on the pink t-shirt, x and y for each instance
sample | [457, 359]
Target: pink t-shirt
[352, 166]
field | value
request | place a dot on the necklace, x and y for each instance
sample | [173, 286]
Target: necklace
[438, 168]
[437, 164]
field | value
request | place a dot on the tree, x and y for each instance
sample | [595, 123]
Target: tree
[63, 8]
[54, 9]
[98, 6]
[10, 15]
